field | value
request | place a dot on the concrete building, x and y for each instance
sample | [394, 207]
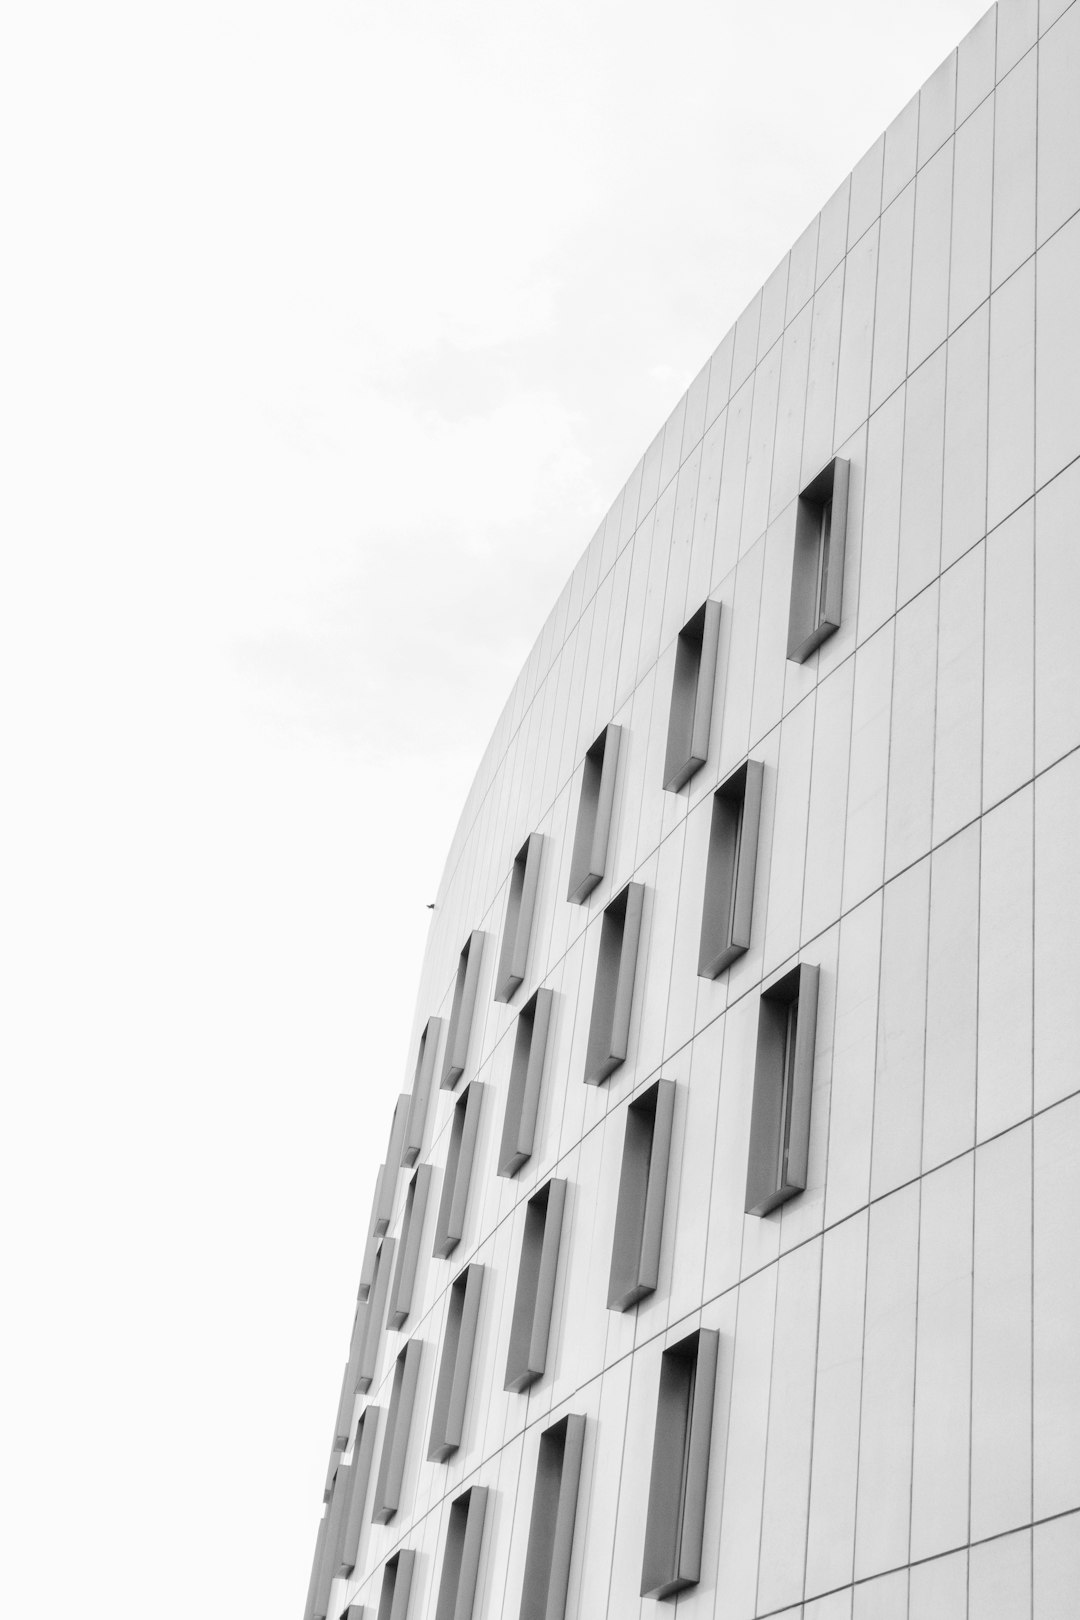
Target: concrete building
[727, 1248]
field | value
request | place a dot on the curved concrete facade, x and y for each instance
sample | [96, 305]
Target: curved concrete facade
[854, 970]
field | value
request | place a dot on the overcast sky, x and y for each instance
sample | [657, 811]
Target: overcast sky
[330, 331]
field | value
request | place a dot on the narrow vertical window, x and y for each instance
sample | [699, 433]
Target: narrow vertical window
[729, 874]
[318, 1596]
[526, 1078]
[367, 1266]
[423, 1078]
[639, 1216]
[331, 1469]
[396, 1586]
[690, 719]
[374, 1315]
[783, 1087]
[363, 1451]
[461, 1555]
[336, 1516]
[462, 1008]
[409, 1247]
[450, 1223]
[613, 995]
[551, 1526]
[455, 1367]
[382, 1205]
[347, 1398]
[530, 1325]
[396, 1436]
[589, 859]
[343, 1423]
[817, 573]
[520, 908]
[396, 1144]
[680, 1465]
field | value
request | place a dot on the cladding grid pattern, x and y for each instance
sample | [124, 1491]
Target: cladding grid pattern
[894, 1427]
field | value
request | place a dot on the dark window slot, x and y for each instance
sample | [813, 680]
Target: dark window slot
[613, 994]
[639, 1215]
[693, 683]
[526, 1079]
[589, 859]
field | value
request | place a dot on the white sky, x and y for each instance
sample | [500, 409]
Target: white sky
[330, 331]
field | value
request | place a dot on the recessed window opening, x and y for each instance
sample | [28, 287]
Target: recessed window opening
[551, 1523]
[526, 1078]
[423, 1079]
[374, 1315]
[817, 573]
[589, 859]
[530, 1324]
[409, 1247]
[461, 1557]
[783, 1090]
[680, 1465]
[396, 1436]
[363, 1451]
[613, 993]
[690, 718]
[520, 908]
[727, 910]
[639, 1216]
[455, 1366]
[319, 1584]
[457, 1177]
[466, 983]
[382, 1205]
[396, 1585]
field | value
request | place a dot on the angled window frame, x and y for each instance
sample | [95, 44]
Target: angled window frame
[336, 1519]
[455, 1364]
[398, 1127]
[375, 1315]
[551, 1522]
[613, 988]
[361, 1315]
[728, 906]
[408, 1253]
[693, 686]
[520, 914]
[396, 1587]
[367, 1266]
[461, 1555]
[817, 569]
[347, 1397]
[526, 1082]
[382, 1204]
[423, 1085]
[783, 1090]
[595, 801]
[534, 1296]
[399, 1416]
[367, 1427]
[336, 1455]
[457, 1176]
[639, 1213]
[679, 1473]
[462, 1010]
[318, 1595]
